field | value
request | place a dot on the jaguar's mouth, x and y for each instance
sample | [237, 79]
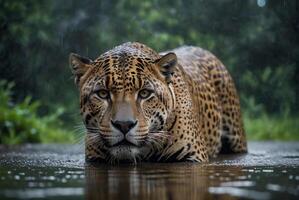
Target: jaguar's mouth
[124, 143]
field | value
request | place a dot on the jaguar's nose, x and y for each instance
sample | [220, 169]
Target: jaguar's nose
[124, 126]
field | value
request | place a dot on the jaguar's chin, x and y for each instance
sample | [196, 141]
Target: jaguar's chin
[124, 153]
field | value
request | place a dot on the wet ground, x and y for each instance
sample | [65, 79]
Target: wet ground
[269, 171]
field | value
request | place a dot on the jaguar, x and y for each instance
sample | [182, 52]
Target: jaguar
[140, 105]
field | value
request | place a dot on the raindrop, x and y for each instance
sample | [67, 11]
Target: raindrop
[261, 3]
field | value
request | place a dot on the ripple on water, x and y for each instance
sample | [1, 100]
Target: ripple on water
[42, 193]
[238, 192]
[238, 184]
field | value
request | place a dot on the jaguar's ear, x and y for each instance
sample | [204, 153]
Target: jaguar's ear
[167, 65]
[79, 65]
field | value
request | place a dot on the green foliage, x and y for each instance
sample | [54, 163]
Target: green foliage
[272, 128]
[270, 89]
[20, 122]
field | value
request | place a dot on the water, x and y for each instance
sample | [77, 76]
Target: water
[269, 171]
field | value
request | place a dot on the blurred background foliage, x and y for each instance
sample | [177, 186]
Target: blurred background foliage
[258, 41]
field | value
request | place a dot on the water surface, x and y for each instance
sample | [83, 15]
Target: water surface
[268, 171]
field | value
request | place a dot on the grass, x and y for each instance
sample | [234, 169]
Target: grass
[272, 128]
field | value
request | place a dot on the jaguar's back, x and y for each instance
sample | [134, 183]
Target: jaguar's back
[216, 97]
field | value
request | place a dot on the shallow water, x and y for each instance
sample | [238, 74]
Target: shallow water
[269, 171]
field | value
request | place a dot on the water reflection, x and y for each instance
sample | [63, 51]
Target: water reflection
[156, 181]
[267, 172]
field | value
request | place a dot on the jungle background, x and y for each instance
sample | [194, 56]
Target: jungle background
[256, 39]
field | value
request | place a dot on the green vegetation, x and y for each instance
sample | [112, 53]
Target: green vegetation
[20, 123]
[258, 44]
[272, 128]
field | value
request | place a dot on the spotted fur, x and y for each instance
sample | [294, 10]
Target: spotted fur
[192, 113]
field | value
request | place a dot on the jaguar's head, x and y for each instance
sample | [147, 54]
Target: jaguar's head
[126, 99]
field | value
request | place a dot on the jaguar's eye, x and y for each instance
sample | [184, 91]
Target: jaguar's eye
[103, 94]
[145, 93]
